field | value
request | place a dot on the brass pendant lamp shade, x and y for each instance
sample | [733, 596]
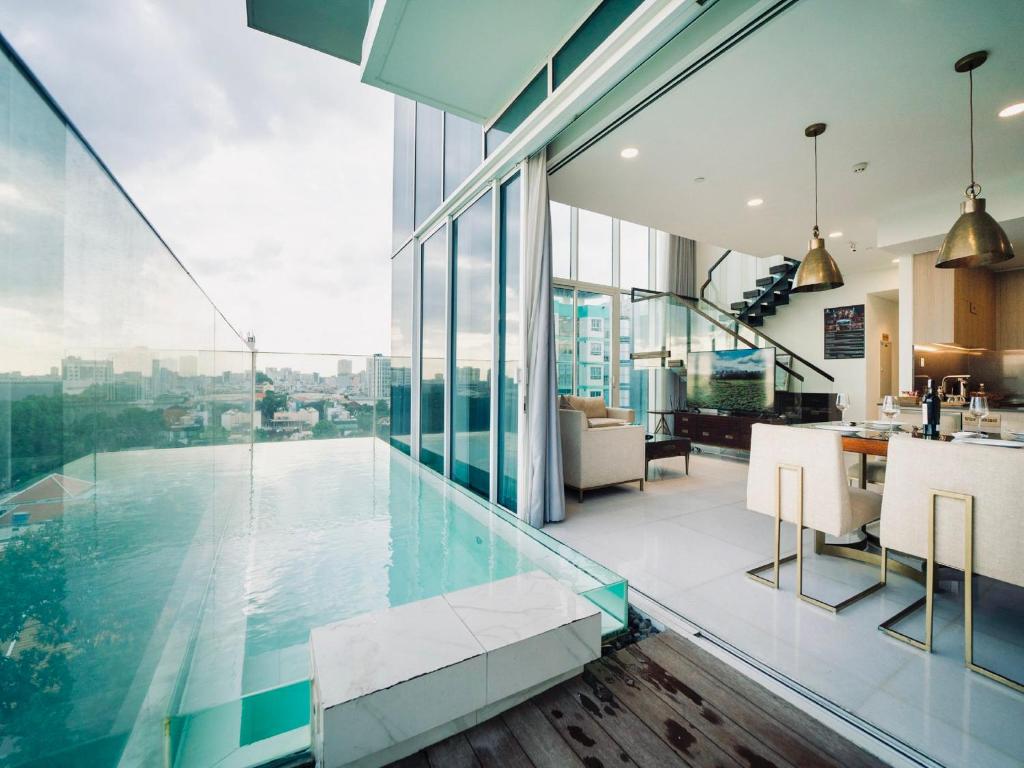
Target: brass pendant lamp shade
[818, 271]
[976, 239]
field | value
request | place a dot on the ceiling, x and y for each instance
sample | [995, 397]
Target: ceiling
[880, 74]
[335, 27]
[470, 57]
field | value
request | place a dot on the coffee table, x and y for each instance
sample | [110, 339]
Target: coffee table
[661, 446]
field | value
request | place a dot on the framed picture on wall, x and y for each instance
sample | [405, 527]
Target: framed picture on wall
[844, 332]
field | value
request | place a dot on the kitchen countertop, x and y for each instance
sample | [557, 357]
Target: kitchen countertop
[965, 409]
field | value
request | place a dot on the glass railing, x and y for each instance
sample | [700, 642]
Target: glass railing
[667, 328]
[177, 510]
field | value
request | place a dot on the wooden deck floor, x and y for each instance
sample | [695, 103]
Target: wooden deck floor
[661, 702]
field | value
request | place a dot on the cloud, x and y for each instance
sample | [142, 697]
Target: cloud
[266, 166]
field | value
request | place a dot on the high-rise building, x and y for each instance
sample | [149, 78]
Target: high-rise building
[344, 366]
[378, 377]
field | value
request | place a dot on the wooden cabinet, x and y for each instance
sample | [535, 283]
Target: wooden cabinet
[953, 306]
[1010, 309]
[724, 431]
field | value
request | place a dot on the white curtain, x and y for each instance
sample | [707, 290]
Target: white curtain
[677, 264]
[545, 493]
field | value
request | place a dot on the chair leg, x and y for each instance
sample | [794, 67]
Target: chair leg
[799, 556]
[579, 495]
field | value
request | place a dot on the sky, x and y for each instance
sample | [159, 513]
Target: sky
[265, 166]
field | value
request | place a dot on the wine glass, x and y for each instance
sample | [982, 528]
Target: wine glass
[842, 403]
[890, 408]
[979, 410]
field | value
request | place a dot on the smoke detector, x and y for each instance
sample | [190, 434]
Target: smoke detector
[860, 167]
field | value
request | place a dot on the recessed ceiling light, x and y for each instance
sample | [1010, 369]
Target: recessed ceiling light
[629, 153]
[896, 260]
[835, 234]
[1013, 109]
[754, 202]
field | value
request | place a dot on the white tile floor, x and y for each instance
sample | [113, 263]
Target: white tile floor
[687, 542]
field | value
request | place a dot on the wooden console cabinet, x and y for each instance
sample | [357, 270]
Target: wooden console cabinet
[723, 431]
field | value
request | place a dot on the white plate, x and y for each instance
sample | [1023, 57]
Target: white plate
[839, 428]
[990, 441]
[971, 434]
[882, 426]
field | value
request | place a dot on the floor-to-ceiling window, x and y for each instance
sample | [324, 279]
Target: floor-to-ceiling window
[595, 249]
[472, 245]
[565, 337]
[433, 347]
[593, 344]
[401, 348]
[508, 342]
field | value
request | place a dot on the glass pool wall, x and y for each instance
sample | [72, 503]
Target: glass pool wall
[166, 493]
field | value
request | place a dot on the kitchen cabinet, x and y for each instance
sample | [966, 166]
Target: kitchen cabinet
[953, 306]
[1010, 309]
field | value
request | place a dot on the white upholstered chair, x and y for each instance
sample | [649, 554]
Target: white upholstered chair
[958, 506]
[797, 475]
[603, 454]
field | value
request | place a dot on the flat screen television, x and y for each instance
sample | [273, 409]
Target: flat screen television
[731, 379]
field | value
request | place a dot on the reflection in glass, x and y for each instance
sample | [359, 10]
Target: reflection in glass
[401, 349]
[463, 150]
[509, 341]
[433, 347]
[594, 260]
[403, 172]
[561, 224]
[633, 256]
[471, 318]
[565, 338]
[593, 345]
[429, 160]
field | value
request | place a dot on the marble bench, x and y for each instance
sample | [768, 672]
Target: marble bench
[388, 683]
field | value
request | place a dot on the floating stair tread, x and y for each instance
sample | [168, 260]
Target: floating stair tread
[779, 269]
[752, 294]
[767, 280]
[738, 305]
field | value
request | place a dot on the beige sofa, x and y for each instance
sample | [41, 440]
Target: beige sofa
[600, 446]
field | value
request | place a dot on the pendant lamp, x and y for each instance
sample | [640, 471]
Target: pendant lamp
[818, 271]
[976, 239]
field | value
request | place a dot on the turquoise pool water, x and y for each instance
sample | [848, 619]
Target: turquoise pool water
[182, 588]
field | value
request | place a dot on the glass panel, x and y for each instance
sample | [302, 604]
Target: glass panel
[463, 150]
[433, 348]
[634, 256]
[565, 338]
[401, 351]
[403, 173]
[601, 23]
[528, 100]
[593, 345]
[561, 239]
[429, 160]
[509, 343]
[594, 262]
[625, 345]
[471, 318]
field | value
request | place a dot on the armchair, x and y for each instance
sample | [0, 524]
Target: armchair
[600, 450]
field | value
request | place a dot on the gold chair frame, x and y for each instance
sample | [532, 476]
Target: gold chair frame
[928, 601]
[754, 573]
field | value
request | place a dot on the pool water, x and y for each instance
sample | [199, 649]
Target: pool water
[187, 582]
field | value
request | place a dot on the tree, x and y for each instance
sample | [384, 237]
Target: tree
[271, 403]
[324, 429]
[262, 378]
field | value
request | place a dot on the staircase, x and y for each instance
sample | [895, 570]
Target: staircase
[772, 291]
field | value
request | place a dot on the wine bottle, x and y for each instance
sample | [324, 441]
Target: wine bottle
[930, 412]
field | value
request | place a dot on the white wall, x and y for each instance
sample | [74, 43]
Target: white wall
[800, 325]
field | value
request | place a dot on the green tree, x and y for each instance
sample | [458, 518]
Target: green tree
[325, 429]
[262, 378]
[271, 403]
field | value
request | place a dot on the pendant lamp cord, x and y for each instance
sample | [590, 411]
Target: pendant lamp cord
[974, 189]
[816, 186]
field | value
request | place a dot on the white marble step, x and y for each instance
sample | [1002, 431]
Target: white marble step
[387, 683]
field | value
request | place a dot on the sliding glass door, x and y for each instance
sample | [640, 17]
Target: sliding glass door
[472, 245]
[433, 348]
[565, 337]
[508, 342]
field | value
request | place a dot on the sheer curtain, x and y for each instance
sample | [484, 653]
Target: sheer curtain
[544, 495]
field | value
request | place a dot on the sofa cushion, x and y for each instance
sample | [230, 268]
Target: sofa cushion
[595, 423]
[593, 407]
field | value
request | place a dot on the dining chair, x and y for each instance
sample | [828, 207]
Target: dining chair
[957, 506]
[797, 475]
